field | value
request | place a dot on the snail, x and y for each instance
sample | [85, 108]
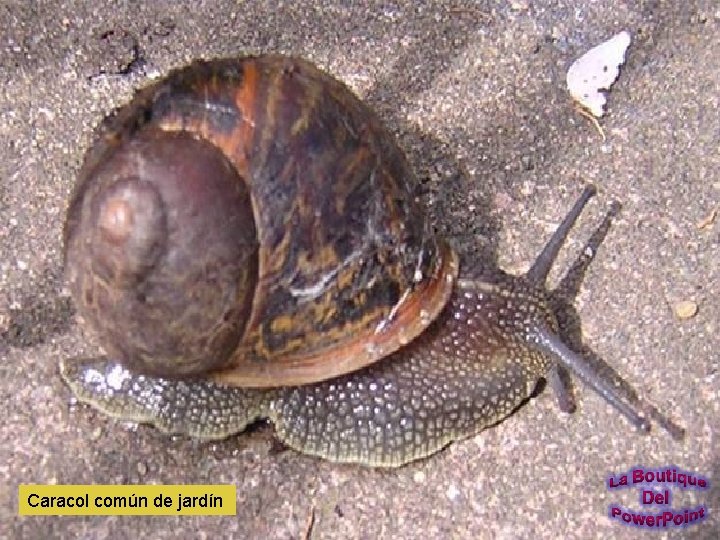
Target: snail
[244, 240]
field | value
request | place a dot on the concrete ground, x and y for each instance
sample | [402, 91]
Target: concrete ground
[476, 95]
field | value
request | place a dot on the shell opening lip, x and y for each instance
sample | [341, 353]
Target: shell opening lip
[428, 299]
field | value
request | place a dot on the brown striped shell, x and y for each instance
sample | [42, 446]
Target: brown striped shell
[251, 218]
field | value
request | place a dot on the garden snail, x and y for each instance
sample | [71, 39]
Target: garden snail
[244, 240]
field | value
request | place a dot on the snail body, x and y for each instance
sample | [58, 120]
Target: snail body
[244, 239]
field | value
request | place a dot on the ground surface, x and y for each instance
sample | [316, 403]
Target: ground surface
[476, 95]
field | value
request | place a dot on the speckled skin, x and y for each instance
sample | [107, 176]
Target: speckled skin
[469, 370]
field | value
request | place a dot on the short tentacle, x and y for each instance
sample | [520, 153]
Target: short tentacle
[558, 379]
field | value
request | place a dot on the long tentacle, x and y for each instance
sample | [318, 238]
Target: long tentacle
[543, 263]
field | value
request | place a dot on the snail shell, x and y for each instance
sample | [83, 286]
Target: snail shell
[254, 220]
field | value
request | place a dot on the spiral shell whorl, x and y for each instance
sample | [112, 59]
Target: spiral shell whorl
[161, 253]
[131, 232]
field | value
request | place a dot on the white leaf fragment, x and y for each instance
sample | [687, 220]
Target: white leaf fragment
[597, 70]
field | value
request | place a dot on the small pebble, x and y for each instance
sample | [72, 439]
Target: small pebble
[686, 309]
